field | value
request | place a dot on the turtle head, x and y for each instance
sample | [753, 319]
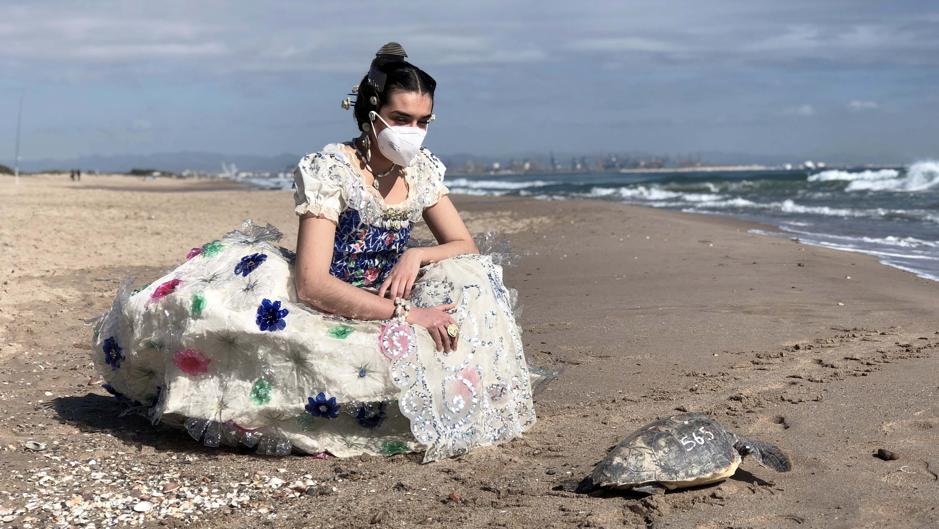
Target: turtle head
[765, 454]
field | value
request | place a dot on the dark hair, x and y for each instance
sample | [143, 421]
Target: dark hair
[387, 73]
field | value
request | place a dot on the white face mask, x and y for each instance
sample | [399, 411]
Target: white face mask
[400, 143]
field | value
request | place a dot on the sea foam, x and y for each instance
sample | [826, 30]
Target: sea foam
[918, 177]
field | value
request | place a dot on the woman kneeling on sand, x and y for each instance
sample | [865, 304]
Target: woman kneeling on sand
[356, 344]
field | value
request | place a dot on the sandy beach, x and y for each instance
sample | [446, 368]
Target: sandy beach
[828, 354]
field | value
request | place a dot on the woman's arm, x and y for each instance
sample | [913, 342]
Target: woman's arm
[453, 239]
[448, 228]
[316, 287]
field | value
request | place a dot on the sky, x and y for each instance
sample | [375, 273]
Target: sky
[820, 79]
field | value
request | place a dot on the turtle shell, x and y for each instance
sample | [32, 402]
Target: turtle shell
[678, 451]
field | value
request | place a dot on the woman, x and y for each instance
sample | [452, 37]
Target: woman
[354, 345]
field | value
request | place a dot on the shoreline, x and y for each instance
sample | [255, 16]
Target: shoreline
[644, 311]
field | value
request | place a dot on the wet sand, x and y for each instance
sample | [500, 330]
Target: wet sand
[828, 354]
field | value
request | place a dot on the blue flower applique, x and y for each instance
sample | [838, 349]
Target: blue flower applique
[371, 415]
[113, 354]
[320, 406]
[248, 263]
[271, 316]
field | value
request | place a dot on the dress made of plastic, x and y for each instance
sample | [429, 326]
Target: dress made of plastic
[221, 346]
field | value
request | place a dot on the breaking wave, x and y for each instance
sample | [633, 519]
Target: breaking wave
[918, 177]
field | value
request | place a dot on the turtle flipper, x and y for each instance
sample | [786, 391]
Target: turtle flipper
[765, 454]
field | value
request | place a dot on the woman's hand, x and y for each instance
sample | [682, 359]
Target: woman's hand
[402, 276]
[435, 320]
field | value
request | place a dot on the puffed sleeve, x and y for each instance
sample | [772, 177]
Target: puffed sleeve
[435, 170]
[318, 188]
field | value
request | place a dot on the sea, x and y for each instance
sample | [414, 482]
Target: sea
[891, 213]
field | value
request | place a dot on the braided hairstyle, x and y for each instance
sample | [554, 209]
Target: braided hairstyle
[387, 73]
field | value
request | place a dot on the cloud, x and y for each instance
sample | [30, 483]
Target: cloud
[625, 44]
[800, 110]
[860, 106]
[140, 125]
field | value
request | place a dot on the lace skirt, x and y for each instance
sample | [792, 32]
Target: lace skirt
[221, 346]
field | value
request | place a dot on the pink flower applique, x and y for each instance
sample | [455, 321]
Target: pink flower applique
[390, 238]
[194, 252]
[371, 275]
[191, 361]
[395, 340]
[165, 289]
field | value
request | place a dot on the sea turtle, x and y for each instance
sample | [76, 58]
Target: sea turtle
[679, 451]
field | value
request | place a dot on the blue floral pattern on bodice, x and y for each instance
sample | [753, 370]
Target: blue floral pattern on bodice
[363, 255]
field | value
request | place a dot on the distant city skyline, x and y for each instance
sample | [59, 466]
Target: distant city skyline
[838, 80]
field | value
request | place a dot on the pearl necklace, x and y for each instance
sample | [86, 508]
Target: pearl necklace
[375, 176]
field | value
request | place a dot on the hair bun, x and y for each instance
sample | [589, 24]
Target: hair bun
[390, 52]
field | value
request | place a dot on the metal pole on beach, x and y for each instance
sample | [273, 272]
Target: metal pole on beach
[16, 153]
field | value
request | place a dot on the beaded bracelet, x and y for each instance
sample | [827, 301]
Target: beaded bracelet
[402, 308]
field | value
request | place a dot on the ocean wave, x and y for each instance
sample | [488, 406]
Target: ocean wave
[479, 192]
[918, 177]
[731, 203]
[890, 240]
[836, 175]
[645, 194]
[788, 206]
[919, 261]
[466, 183]
[871, 251]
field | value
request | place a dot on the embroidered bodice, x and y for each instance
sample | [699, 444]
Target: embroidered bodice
[370, 235]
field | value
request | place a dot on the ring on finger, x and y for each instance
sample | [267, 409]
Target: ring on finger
[453, 330]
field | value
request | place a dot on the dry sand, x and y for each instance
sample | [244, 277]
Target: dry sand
[830, 355]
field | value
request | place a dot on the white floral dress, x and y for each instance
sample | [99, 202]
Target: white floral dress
[222, 347]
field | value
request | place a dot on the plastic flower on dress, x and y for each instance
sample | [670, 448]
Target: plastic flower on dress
[261, 392]
[191, 361]
[194, 252]
[390, 448]
[211, 248]
[271, 316]
[370, 416]
[113, 354]
[248, 263]
[165, 289]
[198, 305]
[341, 332]
[320, 406]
